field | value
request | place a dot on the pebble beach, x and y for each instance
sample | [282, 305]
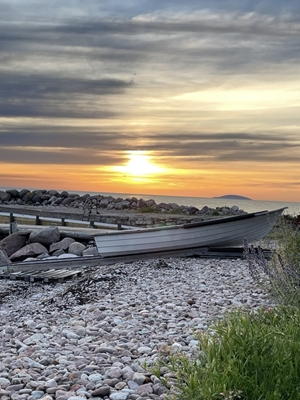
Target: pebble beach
[99, 336]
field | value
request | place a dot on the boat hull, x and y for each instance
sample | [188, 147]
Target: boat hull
[225, 232]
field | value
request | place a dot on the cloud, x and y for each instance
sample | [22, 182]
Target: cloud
[42, 95]
[108, 148]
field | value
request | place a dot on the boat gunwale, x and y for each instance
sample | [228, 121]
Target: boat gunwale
[194, 224]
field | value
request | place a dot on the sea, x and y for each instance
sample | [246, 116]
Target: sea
[199, 202]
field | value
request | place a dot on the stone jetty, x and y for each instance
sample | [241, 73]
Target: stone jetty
[107, 209]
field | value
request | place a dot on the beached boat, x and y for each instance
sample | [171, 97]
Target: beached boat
[222, 232]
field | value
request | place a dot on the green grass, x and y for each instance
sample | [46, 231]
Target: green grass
[253, 356]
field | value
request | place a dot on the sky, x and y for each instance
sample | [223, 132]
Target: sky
[194, 98]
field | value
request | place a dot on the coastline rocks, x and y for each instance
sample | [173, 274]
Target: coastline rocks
[99, 202]
[45, 236]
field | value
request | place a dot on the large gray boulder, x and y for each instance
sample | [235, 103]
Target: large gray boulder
[76, 248]
[4, 259]
[31, 250]
[62, 245]
[45, 236]
[12, 243]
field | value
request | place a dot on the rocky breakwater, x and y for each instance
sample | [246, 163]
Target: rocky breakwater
[100, 336]
[107, 209]
[43, 244]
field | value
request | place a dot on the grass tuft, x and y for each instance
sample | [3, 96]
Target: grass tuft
[251, 356]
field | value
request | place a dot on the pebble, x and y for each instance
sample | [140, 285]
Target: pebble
[98, 336]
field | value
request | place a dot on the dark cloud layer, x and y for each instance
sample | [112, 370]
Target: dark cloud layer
[94, 148]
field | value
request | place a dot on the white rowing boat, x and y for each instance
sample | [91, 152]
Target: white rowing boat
[222, 232]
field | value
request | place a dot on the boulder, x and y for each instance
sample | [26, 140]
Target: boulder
[90, 251]
[45, 236]
[64, 194]
[67, 200]
[4, 259]
[4, 196]
[23, 192]
[57, 253]
[76, 248]
[12, 243]
[62, 245]
[13, 192]
[141, 203]
[28, 197]
[53, 193]
[31, 250]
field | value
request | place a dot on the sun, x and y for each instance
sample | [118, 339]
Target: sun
[139, 164]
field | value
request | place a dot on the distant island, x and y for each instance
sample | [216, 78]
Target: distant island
[232, 197]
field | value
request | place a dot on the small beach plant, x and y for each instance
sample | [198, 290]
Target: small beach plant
[280, 274]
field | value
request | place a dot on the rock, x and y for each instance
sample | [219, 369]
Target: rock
[45, 236]
[32, 249]
[138, 378]
[145, 389]
[76, 248]
[28, 197]
[13, 192]
[141, 203]
[4, 259]
[23, 192]
[58, 253]
[62, 245]
[101, 391]
[119, 396]
[67, 201]
[90, 251]
[4, 196]
[12, 243]
[67, 255]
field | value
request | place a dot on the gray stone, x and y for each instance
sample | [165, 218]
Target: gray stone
[45, 236]
[138, 378]
[4, 196]
[4, 382]
[12, 243]
[32, 249]
[145, 389]
[4, 259]
[61, 245]
[119, 396]
[76, 248]
[115, 373]
[90, 251]
[101, 391]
